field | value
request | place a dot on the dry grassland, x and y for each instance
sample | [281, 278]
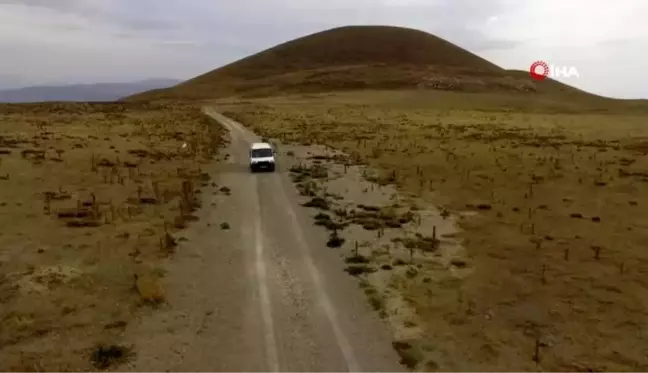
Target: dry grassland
[552, 207]
[90, 198]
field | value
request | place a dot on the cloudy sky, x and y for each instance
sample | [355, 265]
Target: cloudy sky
[71, 41]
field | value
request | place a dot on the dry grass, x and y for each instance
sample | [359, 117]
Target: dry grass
[90, 198]
[556, 230]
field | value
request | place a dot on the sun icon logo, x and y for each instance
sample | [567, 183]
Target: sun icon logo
[539, 65]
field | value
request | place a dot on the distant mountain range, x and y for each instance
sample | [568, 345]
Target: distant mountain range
[83, 92]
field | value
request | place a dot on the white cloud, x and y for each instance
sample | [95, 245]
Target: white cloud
[606, 41]
[55, 46]
[574, 23]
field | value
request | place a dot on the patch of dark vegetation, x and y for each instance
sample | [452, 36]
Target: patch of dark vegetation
[73, 213]
[376, 302]
[409, 355]
[298, 178]
[357, 270]
[318, 202]
[357, 259]
[104, 357]
[341, 212]
[369, 223]
[83, 223]
[427, 244]
[335, 240]
[373, 218]
[116, 325]
[479, 206]
[369, 208]
[322, 216]
[393, 224]
[57, 196]
[307, 188]
[459, 263]
[326, 221]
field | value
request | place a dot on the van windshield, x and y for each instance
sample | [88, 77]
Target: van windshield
[261, 153]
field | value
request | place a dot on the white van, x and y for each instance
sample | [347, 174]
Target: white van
[262, 157]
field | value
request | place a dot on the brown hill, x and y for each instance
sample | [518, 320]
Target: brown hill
[358, 57]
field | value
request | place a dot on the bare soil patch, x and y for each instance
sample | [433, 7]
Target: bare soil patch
[385, 237]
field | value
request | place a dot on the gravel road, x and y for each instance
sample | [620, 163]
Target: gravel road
[265, 295]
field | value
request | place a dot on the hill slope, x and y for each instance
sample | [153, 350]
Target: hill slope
[353, 46]
[82, 92]
[358, 57]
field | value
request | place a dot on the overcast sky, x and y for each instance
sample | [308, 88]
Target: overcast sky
[70, 41]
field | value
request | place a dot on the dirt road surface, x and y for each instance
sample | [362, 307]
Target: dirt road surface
[265, 295]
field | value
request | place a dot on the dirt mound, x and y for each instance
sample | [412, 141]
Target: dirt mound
[356, 57]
